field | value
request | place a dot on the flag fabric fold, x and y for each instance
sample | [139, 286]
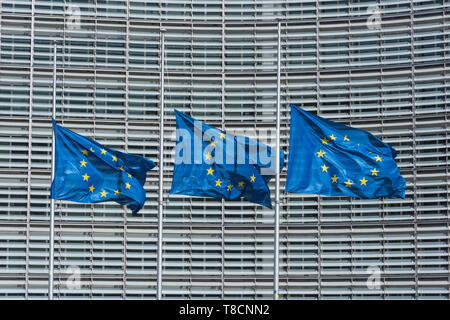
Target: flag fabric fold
[212, 163]
[333, 159]
[88, 172]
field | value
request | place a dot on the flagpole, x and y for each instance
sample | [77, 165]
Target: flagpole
[161, 172]
[52, 204]
[277, 180]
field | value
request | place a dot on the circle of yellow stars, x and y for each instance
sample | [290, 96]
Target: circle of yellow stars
[210, 171]
[84, 163]
[334, 178]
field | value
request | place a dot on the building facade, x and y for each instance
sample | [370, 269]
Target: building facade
[382, 66]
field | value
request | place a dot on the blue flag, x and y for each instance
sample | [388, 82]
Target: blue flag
[332, 159]
[88, 172]
[212, 163]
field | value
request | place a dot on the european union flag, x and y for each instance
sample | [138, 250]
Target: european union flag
[212, 163]
[88, 172]
[332, 159]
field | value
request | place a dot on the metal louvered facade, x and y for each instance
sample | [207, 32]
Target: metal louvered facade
[392, 80]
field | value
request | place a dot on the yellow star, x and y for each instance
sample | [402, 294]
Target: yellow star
[332, 137]
[378, 158]
[114, 158]
[117, 192]
[208, 156]
[121, 168]
[127, 185]
[91, 149]
[229, 187]
[103, 193]
[320, 154]
[374, 172]
[324, 141]
[240, 184]
[346, 139]
[218, 182]
[334, 179]
[129, 175]
[324, 168]
[213, 143]
[85, 177]
[363, 181]
[348, 183]
[91, 188]
[210, 171]
[252, 178]
[103, 151]
[222, 135]
[85, 152]
[83, 163]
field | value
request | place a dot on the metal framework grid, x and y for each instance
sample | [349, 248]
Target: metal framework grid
[221, 67]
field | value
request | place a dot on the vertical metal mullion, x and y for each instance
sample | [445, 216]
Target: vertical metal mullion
[255, 130]
[127, 94]
[352, 281]
[94, 51]
[447, 169]
[191, 65]
[161, 167]
[158, 252]
[190, 259]
[127, 66]
[91, 252]
[285, 199]
[277, 173]
[61, 110]
[255, 261]
[380, 52]
[191, 76]
[447, 188]
[94, 114]
[222, 277]
[30, 146]
[319, 211]
[383, 227]
[350, 99]
[63, 58]
[58, 205]
[413, 107]
[1, 24]
[349, 75]
[192, 108]
[52, 208]
[383, 213]
[255, 94]
[63, 68]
